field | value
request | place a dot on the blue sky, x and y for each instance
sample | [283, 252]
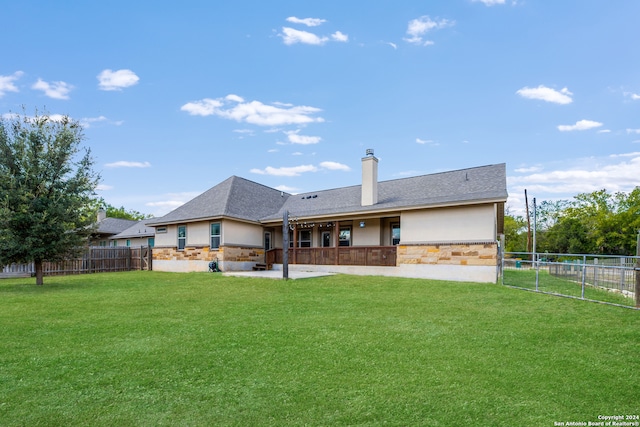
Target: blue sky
[176, 97]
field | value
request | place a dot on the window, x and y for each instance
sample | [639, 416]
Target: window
[395, 233]
[161, 229]
[267, 240]
[128, 243]
[345, 236]
[215, 235]
[182, 237]
[151, 241]
[304, 239]
[326, 239]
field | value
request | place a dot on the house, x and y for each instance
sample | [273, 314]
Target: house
[442, 226]
[107, 228]
[138, 234]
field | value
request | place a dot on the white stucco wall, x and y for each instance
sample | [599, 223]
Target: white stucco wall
[199, 234]
[369, 235]
[170, 238]
[240, 233]
[449, 224]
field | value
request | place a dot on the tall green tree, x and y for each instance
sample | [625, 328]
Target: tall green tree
[47, 184]
[515, 233]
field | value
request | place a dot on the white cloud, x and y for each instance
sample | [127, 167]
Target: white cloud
[285, 171]
[528, 169]
[204, 107]
[104, 187]
[295, 138]
[126, 164]
[604, 131]
[580, 125]
[7, 83]
[489, 2]
[286, 188]
[546, 94]
[594, 174]
[630, 131]
[292, 36]
[335, 166]
[633, 96]
[164, 203]
[419, 27]
[427, 141]
[339, 37]
[234, 98]
[235, 108]
[55, 90]
[393, 45]
[309, 22]
[116, 80]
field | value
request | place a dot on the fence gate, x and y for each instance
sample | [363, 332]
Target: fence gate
[146, 258]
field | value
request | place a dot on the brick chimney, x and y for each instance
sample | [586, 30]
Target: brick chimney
[369, 179]
[102, 214]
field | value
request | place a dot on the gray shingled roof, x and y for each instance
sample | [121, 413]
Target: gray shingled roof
[243, 199]
[114, 225]
[484, 183]
[234, 197]
[139, 229]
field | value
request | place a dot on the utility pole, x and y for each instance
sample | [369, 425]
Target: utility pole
[526, 202]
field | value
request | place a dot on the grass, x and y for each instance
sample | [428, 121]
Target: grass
[526, 278]
[154, 349]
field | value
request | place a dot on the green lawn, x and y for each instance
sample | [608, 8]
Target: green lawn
[154, 349]
[526, 278]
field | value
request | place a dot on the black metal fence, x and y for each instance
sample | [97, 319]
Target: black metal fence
[602, 278]
[96, 259]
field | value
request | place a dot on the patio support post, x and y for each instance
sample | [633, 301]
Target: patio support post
[336, 240]
[295, 242]
[285, 245]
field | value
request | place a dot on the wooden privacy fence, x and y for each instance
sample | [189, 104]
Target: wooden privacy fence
[96, 259]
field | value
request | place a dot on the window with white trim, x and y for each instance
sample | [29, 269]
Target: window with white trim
[182, 237]
[216, 233]
[304, 238]
[345, 236]
[395, 233]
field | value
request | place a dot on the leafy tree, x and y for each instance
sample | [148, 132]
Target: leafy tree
[567, 236]
[121, 212]
[515, 233]
[46, 189]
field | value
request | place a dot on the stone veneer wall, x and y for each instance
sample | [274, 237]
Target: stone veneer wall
[456, 253]
[199, 253]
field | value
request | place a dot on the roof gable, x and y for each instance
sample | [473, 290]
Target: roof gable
[234, 197]
[139, 229]
[114, 225]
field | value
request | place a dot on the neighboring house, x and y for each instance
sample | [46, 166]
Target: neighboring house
[442, 226]
[107, 228]
[136, 235]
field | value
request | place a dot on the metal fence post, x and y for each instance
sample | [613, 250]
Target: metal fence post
[584, 273]
[637, 290]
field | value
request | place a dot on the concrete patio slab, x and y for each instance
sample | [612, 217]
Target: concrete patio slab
[277, 274]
